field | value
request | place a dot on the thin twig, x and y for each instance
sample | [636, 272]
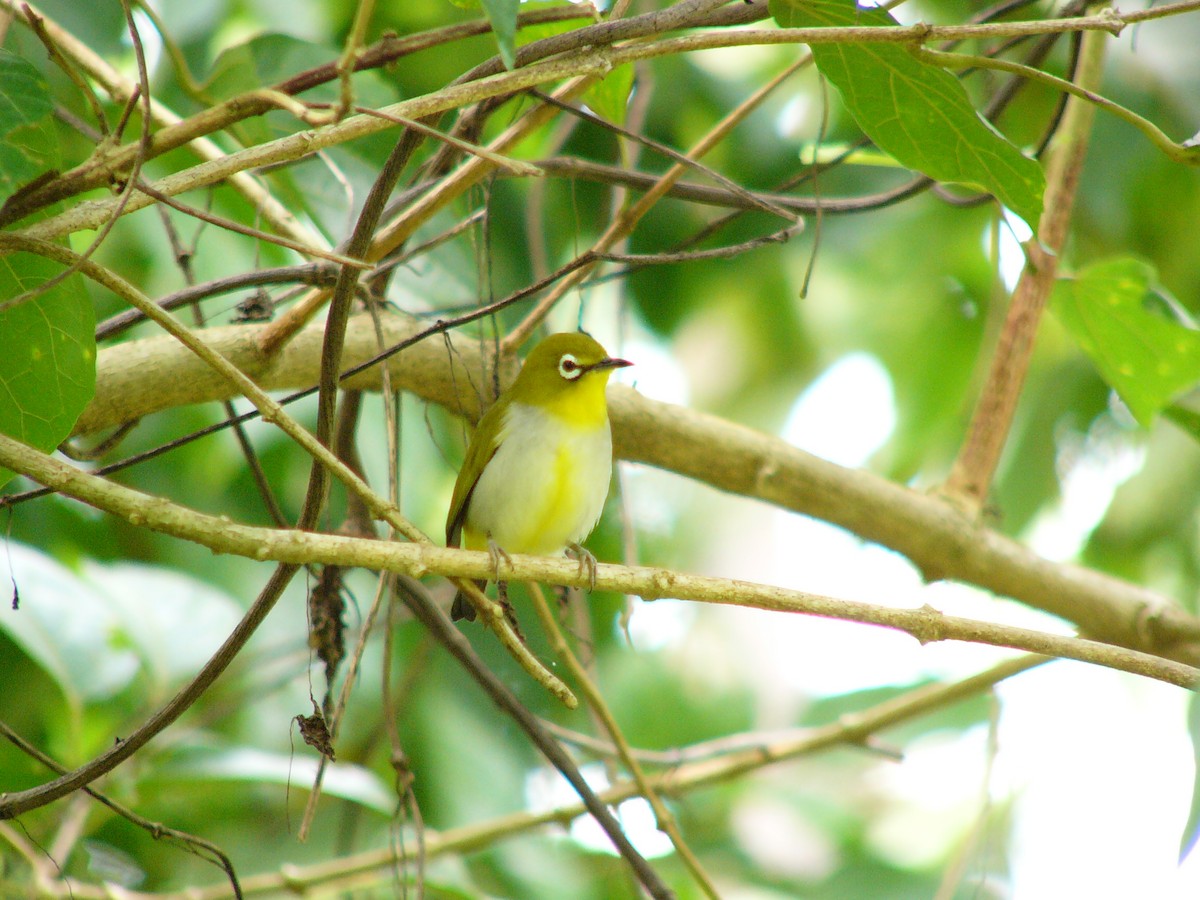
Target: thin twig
[595, 700]
[321, 274]
[439, 624]
[627, 220]
[197, 846]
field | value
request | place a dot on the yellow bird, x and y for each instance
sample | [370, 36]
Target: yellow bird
[538, 465]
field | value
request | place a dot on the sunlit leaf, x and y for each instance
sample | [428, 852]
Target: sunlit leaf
[66, 626]
[1191, 831]
[918, 113]
[173, 622]
[1147, 358]
[350, 782]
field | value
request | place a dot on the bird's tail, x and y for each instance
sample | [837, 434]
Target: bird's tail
[461, 608]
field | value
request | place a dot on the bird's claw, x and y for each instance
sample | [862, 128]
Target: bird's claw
[586, 562]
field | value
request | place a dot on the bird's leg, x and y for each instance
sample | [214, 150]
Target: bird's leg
[587, 562]
[495, 554]
[509, 613]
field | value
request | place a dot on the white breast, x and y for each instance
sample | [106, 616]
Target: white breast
[545, 486]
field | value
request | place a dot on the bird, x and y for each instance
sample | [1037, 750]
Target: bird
[537, 468]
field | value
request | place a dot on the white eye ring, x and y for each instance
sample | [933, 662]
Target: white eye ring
[569, 368]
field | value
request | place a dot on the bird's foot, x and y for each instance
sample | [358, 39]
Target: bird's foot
[495, 554]
[587, 562]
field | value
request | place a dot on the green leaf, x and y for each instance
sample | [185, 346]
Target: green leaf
[1147, 358]
[27, 144]
[530, 33]
[346, 780]
[1186, 419]
[47, 353]
[47, 344]
[268, 59]
[503, 16]
[173, 622]
[918, 113]
[609, 97]
[67, 627]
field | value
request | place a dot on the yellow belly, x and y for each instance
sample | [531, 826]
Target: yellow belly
[545, 486]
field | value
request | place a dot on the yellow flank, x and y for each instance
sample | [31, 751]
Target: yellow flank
[472, 539]
[560, 503]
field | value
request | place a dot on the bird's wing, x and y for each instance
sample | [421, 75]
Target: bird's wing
[479, 453]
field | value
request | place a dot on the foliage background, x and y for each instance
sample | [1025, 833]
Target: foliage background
[114, 618]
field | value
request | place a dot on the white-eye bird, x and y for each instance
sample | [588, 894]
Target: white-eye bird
[537, 468]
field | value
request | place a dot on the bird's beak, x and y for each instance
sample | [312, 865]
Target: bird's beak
[608, 362]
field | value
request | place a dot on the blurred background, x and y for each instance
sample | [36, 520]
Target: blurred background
[1067, 780]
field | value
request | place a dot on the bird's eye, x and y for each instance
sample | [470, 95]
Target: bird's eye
[569, 368]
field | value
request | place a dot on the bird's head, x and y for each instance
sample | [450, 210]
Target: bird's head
[570, 368]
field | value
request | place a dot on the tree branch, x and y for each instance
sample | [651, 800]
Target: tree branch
[420, 560]
[849, 730]
[146, 376]
[971, 477]
[593, 62]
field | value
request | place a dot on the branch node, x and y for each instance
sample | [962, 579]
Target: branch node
[767, 471]
[927, 625]
[1114, 24]
[662, 583]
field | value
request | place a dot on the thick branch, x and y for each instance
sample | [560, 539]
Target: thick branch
[146, 376]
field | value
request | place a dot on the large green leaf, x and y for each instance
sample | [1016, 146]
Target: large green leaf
[918, 113]
[173, 622]
[47, 344]
[92, 630]
[1146, 357]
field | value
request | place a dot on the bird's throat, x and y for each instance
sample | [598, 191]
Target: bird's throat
[583, 405]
